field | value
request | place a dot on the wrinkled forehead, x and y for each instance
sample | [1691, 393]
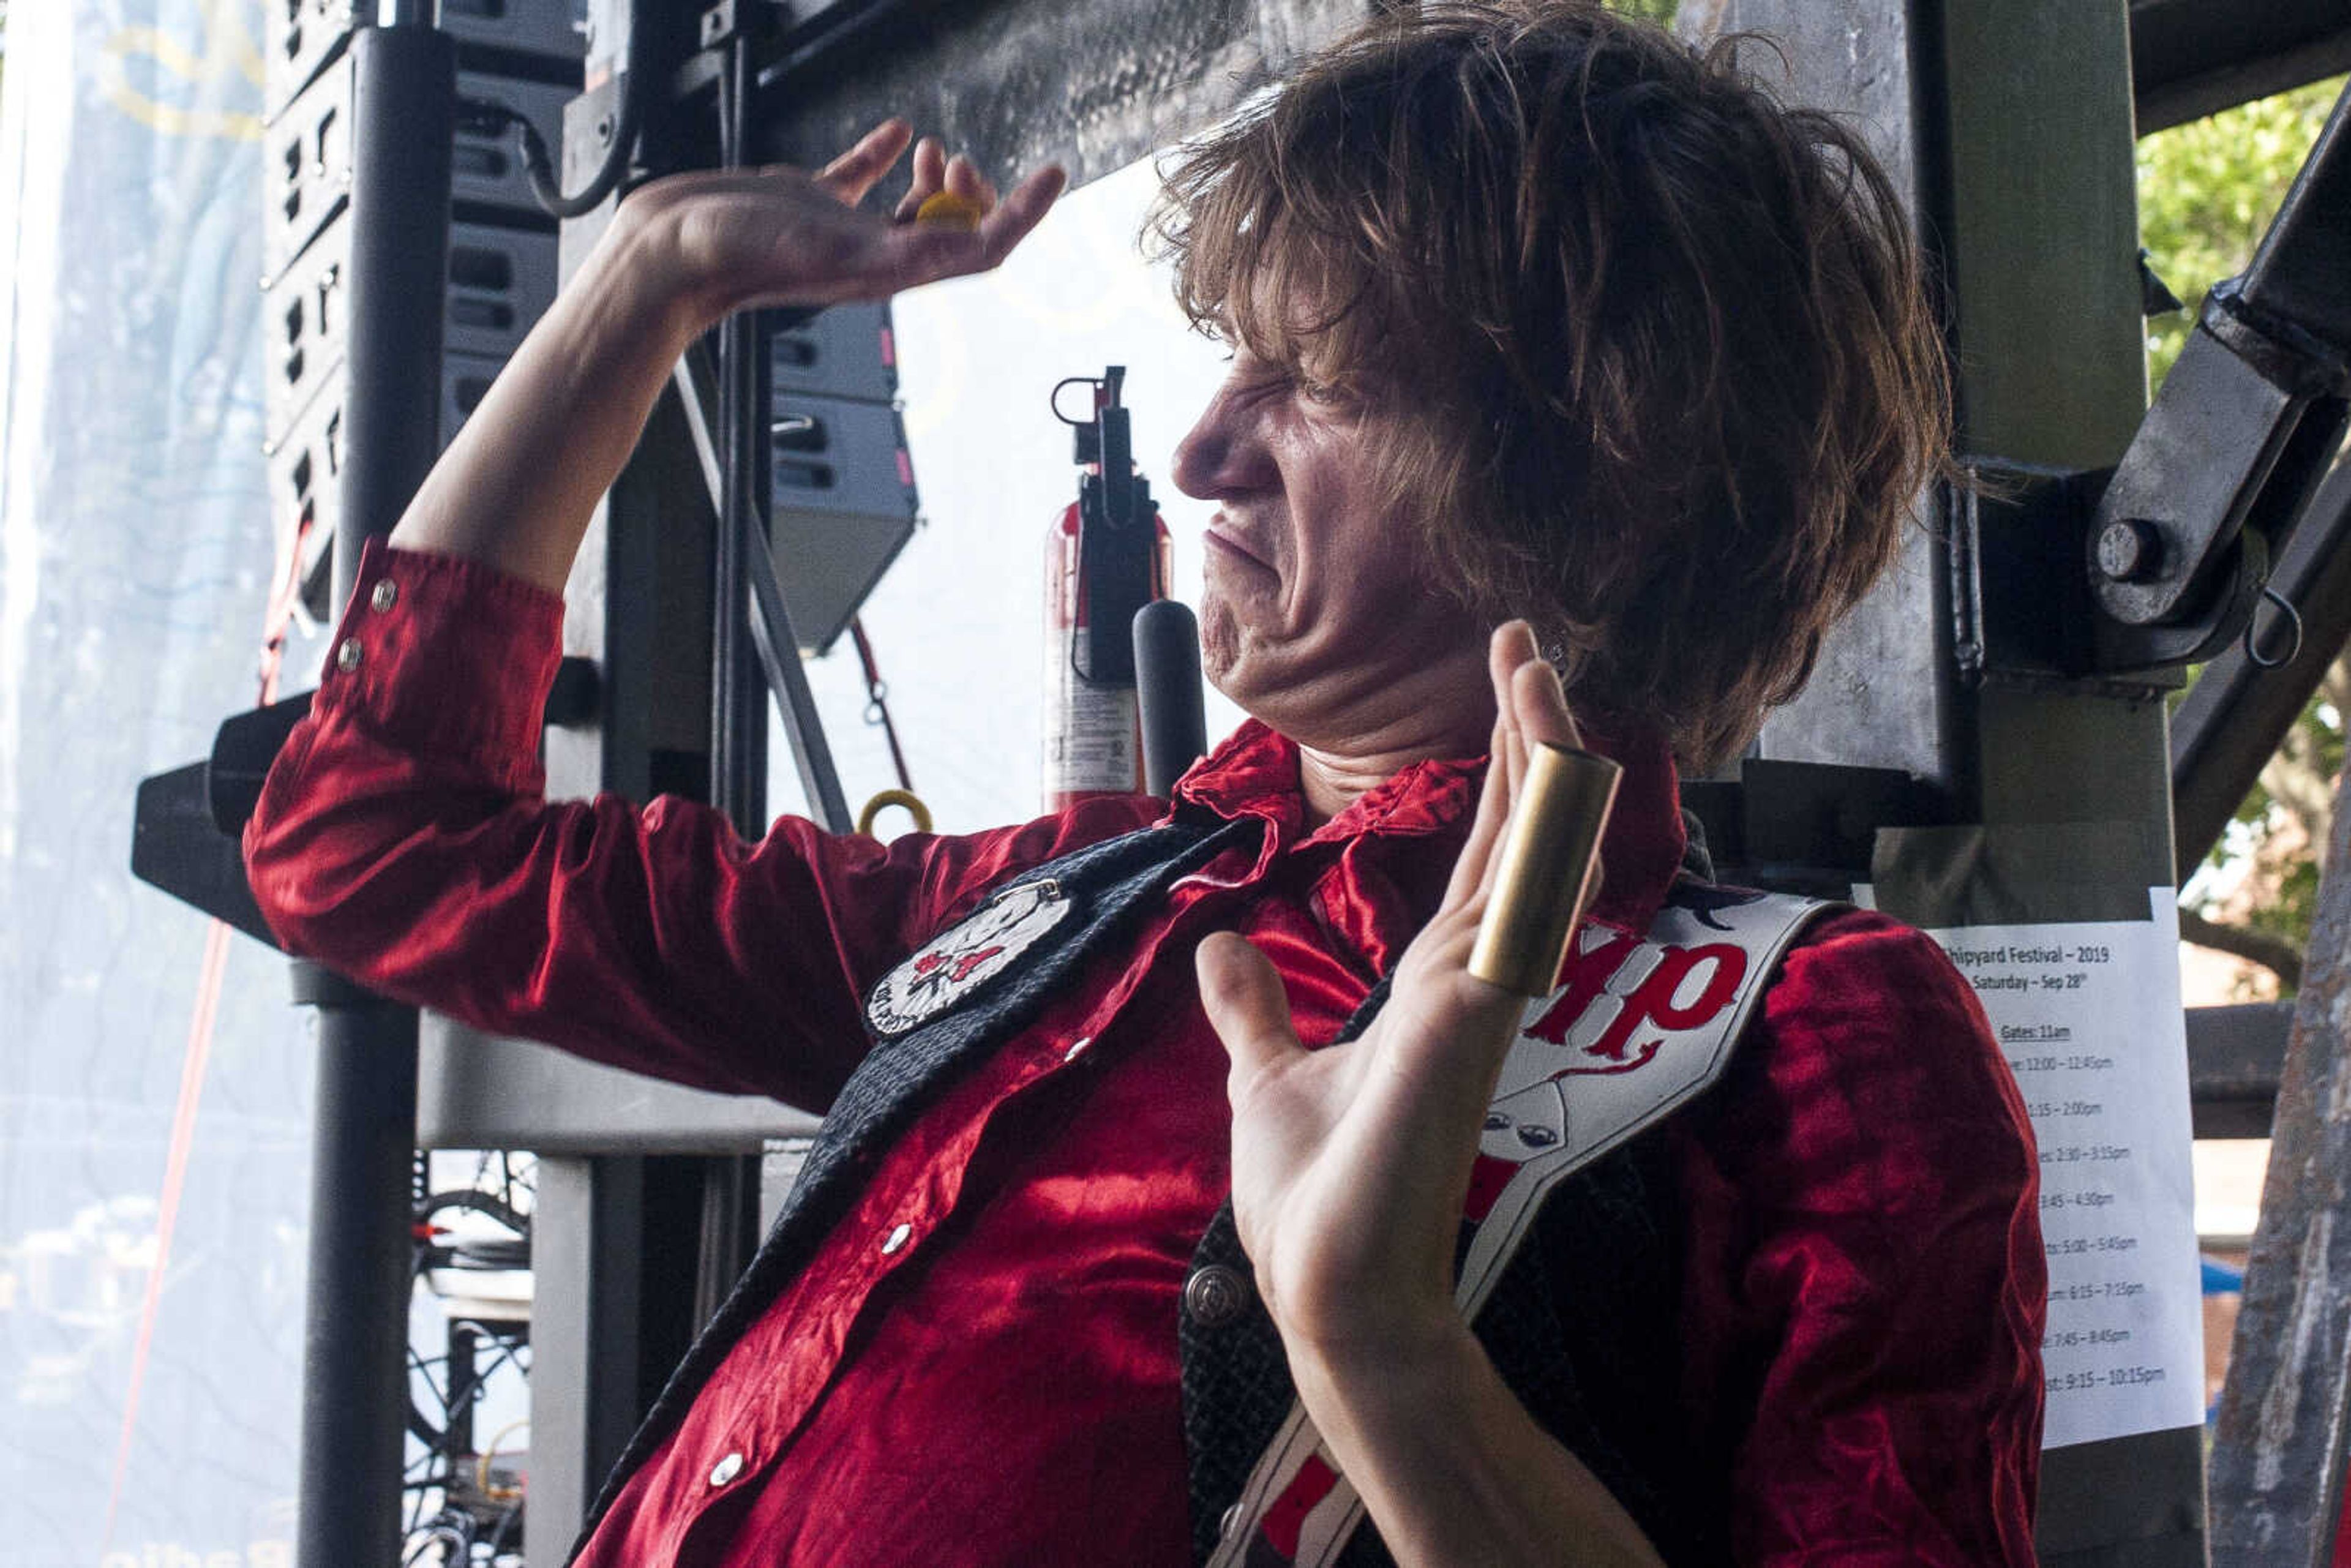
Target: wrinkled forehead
[1296, 304]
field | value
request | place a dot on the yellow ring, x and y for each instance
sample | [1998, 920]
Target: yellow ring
[888, 798]
[948, 208]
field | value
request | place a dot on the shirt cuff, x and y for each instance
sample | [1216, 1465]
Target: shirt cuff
[443, 655]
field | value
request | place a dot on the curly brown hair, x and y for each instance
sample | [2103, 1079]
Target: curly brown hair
[1664, 379]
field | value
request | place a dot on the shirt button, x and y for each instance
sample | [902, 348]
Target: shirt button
[347, 657]
[1077, 1048]
[1215, 1296]
[725, 1469]
[897, 1239]
[384, 595]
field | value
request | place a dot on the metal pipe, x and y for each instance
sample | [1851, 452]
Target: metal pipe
[355, 1310]
[354, 1373]
[738, 707]
[738, 713]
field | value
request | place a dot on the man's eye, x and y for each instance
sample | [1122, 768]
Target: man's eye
[1316, 391]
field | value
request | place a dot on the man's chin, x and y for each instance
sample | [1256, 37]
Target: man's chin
[1219, 642]
[1244, 682]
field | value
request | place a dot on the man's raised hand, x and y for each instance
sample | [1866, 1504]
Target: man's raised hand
[718, 240]
[518, 486]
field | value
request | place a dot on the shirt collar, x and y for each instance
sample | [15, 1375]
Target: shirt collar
[1254, 773]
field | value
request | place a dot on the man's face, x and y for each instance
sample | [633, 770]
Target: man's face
[1313, 595]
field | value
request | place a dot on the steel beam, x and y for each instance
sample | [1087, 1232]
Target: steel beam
[1881, 696]
[586, 1227]
[2192, 57]
[2037, 229]
[1017, 83]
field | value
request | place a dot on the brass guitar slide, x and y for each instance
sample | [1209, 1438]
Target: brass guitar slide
[1549, 854]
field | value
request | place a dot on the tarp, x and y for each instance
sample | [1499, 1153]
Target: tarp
[141, 1429]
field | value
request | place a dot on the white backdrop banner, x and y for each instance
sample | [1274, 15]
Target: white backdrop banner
[150, 1308]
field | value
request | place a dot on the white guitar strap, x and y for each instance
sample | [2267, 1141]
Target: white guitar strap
[1637, 1028]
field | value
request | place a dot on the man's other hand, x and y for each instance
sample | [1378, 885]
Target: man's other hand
[1351, 1163]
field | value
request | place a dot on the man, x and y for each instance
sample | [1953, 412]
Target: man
[1537, 318]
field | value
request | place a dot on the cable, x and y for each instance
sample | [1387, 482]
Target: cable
[280, 615]
[474, 1200]
[482, 1466]
[484, 118]
[877, 701]
[176, 1173]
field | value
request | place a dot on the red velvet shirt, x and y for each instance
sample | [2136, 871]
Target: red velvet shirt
[979, 1364]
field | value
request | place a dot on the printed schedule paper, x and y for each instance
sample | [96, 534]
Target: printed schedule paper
[2089, 1017]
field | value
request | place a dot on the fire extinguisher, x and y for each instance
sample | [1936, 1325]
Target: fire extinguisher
[1106, 556]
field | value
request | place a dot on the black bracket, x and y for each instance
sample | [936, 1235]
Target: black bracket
[2180, 546]
[2248, 423]
[2021, 611]
[2120, 576]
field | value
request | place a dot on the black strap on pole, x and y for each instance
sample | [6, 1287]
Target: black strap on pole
[355, 1374]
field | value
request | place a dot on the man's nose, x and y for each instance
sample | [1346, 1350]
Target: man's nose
[1199, 454]
[1216, 457]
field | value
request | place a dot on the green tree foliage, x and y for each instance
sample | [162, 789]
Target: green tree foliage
[2206, 190]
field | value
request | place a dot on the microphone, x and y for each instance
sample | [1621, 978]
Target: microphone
[1167, 692]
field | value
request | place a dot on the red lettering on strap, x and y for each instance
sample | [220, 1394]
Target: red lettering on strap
[1583, 979]
[1652, 1001]
[1657, 992]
